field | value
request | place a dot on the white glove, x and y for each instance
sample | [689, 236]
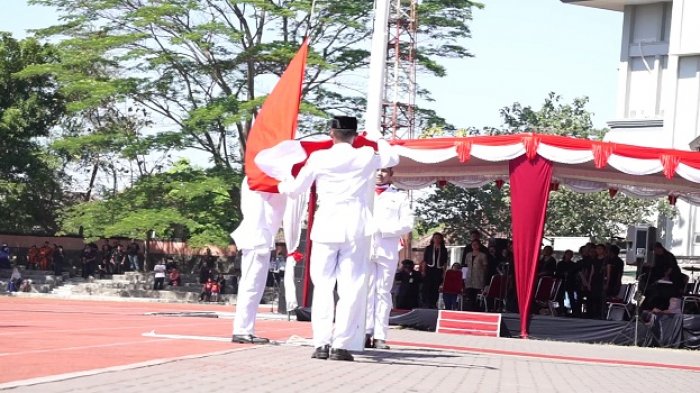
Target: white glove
[286, 185]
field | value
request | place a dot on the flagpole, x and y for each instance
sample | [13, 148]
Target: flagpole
[377, 66]
[312, 13]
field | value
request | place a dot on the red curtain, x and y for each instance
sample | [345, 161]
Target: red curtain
[529, 193]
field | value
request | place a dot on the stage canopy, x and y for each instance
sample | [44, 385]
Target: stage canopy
[534, 164]
[580, 164]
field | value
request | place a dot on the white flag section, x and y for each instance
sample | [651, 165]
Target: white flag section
[277, 161]
[293, 217]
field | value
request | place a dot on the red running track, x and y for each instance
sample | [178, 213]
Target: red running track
[45, 337]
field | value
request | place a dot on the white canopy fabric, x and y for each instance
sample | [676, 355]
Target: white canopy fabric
[582, 165]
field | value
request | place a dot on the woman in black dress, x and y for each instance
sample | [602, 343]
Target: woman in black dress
[433, 266]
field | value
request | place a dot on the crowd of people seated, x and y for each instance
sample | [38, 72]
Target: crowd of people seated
[94, 261]
[109, 259]
[579, 285]
[213, 283]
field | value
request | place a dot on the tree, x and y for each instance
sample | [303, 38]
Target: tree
[183, 202]
[458, 211]
[107, 140]
[203, 66]
[595, 215]
[201, 69]
[29, 107]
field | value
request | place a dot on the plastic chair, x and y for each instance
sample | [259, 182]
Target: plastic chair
[622, 296]
[553, 304]
[495, 290]
[690, 304]
[618, 310]
[546, 292]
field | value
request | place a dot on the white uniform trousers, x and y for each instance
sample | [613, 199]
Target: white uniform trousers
[381, 278]
[255, 265]
[346, 264]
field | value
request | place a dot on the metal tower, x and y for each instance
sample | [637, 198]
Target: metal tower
[399, 103]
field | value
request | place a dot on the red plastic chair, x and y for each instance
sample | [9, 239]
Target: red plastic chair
[496, 290]
[546, 293]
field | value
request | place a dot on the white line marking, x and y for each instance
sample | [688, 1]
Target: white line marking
[101, 329]
[79, 348]
[152, 333]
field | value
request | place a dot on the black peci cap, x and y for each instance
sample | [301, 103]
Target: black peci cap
[344, 123]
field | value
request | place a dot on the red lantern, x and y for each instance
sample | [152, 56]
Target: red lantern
[499, 183]
[441, 184]
[612, 192]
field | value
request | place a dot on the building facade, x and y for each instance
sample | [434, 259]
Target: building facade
[658, 92]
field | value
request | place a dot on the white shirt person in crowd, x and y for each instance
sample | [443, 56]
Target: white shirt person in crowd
[340, 234]
[393, 218]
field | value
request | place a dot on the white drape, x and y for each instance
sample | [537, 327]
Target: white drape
[293, 218]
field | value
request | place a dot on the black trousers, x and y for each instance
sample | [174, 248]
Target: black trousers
[431, 287]
[158, 284]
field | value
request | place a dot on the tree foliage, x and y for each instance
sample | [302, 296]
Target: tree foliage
[183, 202]
[458, 211]
[204, 66]
[29, 107]
[596, 215]
[146, 78]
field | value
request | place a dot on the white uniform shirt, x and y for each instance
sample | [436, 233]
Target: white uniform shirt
[393, 218]
[343, 177]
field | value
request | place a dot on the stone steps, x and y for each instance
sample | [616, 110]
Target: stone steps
[131, 285]
[228, 299]
[42, 281]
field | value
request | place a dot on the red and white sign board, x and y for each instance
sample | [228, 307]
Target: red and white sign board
[469, 323]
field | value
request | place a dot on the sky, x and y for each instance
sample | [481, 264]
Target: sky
[523, 49]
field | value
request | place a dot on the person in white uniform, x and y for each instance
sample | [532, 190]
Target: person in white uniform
[262, 217]
[393, 218]
[340, 234]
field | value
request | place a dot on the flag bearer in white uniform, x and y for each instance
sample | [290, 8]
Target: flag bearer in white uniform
[393, 218]
[262, 217]
[340, 234]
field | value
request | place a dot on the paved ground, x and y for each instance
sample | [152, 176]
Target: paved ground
[288, 368]
[418, 362]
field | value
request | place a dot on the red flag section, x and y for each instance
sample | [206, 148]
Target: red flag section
[276, 120]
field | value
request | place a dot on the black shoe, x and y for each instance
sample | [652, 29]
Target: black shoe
[380, 344]
[248, 339]
[321, 353]
[341, 354]
[368, 341]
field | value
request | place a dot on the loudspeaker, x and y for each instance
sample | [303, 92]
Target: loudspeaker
[640, 245]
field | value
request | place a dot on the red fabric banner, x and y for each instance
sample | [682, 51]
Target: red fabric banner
[276, 120]
[601, 150]
[529, 193]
